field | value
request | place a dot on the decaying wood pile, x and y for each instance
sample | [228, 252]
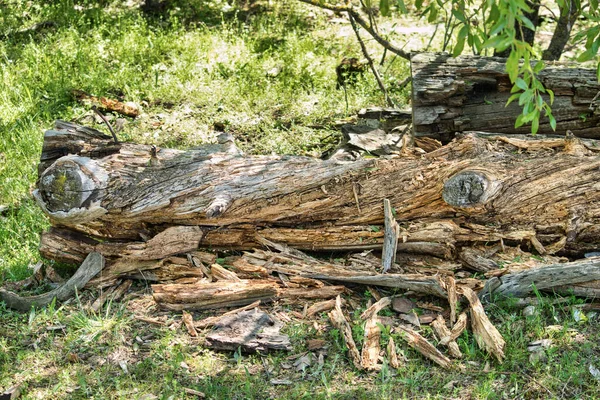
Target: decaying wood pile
[469, 93]
[425, 218]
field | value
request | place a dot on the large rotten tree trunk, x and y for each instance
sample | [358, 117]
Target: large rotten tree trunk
[469, 93]
[135, 202]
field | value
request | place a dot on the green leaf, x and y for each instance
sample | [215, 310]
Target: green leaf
[384, 7]
[539, 101]
[551, 94]
[512, 65]
[586, 55]
[402, 7]
[459, 16]
[521, 84]
[520, 121]
[512, 98]
[433, 13]
[460, 40]
[493, 42]
[527, 22]
[498, 27]
[418, 4]
[458, 48]
[535, 124]
[552, 122]
[598, 71]
[538, 67]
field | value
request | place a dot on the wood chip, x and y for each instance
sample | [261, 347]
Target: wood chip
[370, 350]
[11, 393]
[375, 308]
[393, 355]
[193, 392]
[340, 322]
[486, 334]
[440, 328]
[452, 297]
[402, 305]
[320, 307]
[188, 321]
[419, 343]
[221, 274]
[456, 330]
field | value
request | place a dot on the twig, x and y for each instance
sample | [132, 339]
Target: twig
[360, 21]
[110, 128]
[370, 61]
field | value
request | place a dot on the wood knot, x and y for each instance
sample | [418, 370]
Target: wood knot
[466, 189]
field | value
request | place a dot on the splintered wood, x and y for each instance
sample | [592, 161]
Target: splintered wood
[419, 343]
[340, 322]
[486, 334]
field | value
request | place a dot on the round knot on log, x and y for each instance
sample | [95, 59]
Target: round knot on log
[67, 184]
[466, 189]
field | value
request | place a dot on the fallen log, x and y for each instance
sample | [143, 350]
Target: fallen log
[469, 93]
[137, 203]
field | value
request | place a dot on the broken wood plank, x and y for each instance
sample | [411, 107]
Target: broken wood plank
[321, 307]
[219, 273]
[456, 330]
[452, 297]
[203, 296]
[390, 238]
[91, 266]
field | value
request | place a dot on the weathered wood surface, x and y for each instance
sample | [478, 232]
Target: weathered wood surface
[134, 203]
[92, 265]
[560, 277]
[251, 331]
[469, 93]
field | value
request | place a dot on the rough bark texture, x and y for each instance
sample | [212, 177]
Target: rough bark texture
[136, 206]
[547, 277]
[251, 331]
[469, 93]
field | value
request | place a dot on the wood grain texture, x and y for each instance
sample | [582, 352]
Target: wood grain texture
[141, 204]
[469, 93]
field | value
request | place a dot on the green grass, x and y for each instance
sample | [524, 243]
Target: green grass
[69, 352]
[270, 79]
